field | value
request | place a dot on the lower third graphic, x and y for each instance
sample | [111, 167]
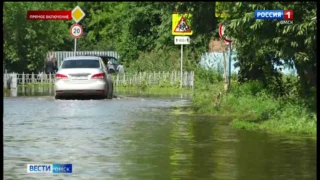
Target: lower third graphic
[49, 168]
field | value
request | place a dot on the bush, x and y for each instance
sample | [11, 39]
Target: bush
[248, 88]
[208, 76]
[144, 82]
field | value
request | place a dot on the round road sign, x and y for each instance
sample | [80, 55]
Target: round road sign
[76, 30]
[222, 28]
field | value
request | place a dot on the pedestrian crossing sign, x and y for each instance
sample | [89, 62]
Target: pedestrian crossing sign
[181, 24]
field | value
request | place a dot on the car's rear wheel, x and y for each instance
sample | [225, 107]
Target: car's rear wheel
[57, 96]
[106, 92]
[110, 92]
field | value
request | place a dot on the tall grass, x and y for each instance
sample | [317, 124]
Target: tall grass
[254, 107]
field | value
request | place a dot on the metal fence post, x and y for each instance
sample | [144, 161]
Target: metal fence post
[32, 78]
[124, 78]
[15, 81]
[41, 76]
[23, 79]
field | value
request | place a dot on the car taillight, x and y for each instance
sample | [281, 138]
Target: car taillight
[61, 76]
[98, 76]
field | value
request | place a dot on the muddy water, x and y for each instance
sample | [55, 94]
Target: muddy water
[137, 138]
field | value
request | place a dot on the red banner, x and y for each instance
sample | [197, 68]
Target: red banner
[49, 15]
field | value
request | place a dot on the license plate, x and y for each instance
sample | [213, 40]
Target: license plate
[80, 78]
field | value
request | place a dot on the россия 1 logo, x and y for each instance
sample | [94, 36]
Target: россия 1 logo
[285, 15]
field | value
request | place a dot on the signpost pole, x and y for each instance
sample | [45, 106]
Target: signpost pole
[224, 67]
[76, 30]
[181, 40]
[75, 46]
[181, 73]
[230, 53]
[226, 39]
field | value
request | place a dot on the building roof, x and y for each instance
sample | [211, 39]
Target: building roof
[217, 46]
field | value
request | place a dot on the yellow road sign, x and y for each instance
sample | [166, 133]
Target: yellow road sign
[181, 24]
[77, 14]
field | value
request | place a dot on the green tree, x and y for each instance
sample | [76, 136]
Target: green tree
[260, 44]
[27, 42]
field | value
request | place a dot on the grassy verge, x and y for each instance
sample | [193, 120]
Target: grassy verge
[147, 89]
[35, 85]
[6, 90]
[256, 110]
[154, 89]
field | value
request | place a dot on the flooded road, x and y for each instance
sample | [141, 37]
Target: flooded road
[137, 138]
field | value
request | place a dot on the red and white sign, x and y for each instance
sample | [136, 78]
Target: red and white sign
[49, 15]
[222, 33]
[76, 30]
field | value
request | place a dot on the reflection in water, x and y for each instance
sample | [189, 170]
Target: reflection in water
[188, 148]
[49, 91]
[152, 94]
[36, 91]
[282, 158]
[224, 153]
[181, 138]
[137, 139]
[10, 92]
[30, 91]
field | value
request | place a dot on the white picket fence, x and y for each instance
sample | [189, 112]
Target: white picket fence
[126, 79]
[10, 80]
[155, 78]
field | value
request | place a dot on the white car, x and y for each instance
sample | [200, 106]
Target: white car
[83, 75]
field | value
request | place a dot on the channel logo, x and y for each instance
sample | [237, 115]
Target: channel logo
[274, 14]
[49, 168]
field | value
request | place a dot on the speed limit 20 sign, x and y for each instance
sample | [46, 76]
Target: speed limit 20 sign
[76, 30]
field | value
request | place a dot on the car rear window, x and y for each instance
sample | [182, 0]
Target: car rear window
[112, 59]
[105, 60]
[80, 64]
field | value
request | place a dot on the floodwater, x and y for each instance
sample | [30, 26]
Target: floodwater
[138, 138]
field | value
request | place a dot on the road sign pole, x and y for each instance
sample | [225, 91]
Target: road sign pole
[230, 63]
[227, 40]
[181, 64]
[181, 40]
[75, 46]
[76, 30]
[224, 67]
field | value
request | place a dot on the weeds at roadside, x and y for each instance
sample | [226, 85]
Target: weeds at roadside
[254, 108]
